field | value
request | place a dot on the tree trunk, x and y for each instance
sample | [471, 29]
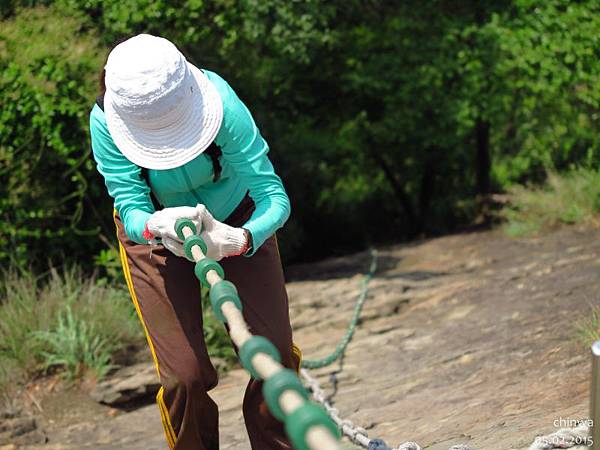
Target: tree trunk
[427, 185]
[390, 176]
[483, 159]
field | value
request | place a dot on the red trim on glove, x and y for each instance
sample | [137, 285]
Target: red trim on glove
[244, 249]
[247, 245]
[146, 234]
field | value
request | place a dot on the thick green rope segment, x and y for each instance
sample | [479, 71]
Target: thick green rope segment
[341, 346]
[190, 242]
[304, 417]
[257, 344]
[299, 422]
[180, 224]
[204, 266]
[276, 385]
[221, 292]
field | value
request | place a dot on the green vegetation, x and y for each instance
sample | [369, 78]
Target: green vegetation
[75, 326]
[46, 86]
[76, 345]
[404, 116]
[569, 198]
[69, 322]
[588, 328]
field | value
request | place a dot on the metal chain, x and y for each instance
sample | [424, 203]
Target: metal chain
[357, 435]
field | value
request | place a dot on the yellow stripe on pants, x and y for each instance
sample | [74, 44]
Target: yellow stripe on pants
[296, 351]
[164, 416]
[164, 413]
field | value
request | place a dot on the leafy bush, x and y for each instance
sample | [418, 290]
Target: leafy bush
[572, 197]
[48, 73]
[108, 264]
[382, 138]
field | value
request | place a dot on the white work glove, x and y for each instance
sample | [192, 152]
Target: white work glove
[174, 246]
[162, 223]
[221, 239]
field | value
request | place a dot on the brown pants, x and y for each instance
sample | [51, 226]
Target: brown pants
[166, 295]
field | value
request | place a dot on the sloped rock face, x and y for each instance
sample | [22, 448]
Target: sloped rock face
[133, 383]
[465, 339]
[16, 429]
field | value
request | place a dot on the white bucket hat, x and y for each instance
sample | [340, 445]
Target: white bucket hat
[161, 110]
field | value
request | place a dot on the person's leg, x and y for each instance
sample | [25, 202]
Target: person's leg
[166, 295]
[260, 283]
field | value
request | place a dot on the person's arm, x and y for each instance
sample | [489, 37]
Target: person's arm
[122, 178]
[246, 151]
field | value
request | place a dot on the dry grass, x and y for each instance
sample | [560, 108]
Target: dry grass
[67, 323]
[570, 198]
[75, 325]
[588, 327]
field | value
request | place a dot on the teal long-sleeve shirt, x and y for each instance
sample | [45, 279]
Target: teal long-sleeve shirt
[245, 168]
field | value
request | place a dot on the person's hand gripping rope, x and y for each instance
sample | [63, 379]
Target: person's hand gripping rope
[221, 239]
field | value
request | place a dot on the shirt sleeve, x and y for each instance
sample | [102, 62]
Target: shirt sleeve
[123, 179]
[246, 151]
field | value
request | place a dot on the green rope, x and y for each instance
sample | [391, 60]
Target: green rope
[341, 347]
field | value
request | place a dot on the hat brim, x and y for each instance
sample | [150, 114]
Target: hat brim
[178, 143]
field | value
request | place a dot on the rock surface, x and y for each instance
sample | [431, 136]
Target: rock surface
[463, 339]
[128, 384]
[19, 430]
